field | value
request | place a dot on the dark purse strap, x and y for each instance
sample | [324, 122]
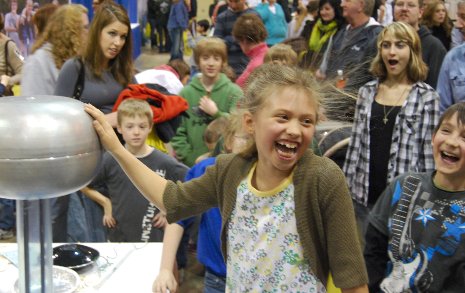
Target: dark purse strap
[6, 58]
[79, 86]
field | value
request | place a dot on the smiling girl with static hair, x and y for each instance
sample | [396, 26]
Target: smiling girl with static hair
[287, 216]
[394, 119]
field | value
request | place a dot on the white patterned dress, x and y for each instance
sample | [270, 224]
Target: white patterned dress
[264, 249]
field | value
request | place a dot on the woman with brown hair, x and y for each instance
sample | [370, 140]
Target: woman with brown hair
[107, 61]
[435, 17]
[319, 33]
[106, 68]
[250, 32]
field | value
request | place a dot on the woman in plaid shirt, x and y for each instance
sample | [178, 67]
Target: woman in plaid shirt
[394, 119]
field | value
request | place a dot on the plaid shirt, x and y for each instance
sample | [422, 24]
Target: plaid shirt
[411, 149]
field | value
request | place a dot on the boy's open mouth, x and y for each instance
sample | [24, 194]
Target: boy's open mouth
[286, 148]
[449, 157]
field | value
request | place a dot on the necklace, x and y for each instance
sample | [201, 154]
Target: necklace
[385, 119]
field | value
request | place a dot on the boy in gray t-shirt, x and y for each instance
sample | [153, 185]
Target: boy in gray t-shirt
[129, 216]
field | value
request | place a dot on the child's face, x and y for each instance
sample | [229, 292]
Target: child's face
[135, 130]
[396, 55]
[210, 65]
[283, 129]
[449, 151]
[199, 29]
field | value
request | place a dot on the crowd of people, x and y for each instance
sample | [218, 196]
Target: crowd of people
[221, 147]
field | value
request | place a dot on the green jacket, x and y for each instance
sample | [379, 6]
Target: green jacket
[188, 142]
[324, 212]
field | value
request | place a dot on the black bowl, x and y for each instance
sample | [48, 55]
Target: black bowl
[74, 256]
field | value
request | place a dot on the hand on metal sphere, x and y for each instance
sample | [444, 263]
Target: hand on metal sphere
[104, 130]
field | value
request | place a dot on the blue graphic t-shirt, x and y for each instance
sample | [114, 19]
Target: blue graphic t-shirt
[426, 230]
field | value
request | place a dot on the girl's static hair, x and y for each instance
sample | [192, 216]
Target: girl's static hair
[249, 28]
[211, 46]
[269, 79]
[64, 32]
[121, 66]
[281, 52]
[428, 14]
[417, 70]
[458, 108]
[134, 107]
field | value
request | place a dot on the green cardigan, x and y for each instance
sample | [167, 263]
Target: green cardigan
[324, 212]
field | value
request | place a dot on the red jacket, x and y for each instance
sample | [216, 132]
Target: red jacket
[164, 107]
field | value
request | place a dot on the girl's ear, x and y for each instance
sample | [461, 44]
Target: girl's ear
[248, 123]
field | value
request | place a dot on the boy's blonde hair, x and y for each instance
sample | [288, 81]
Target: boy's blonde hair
[134, 107]
[270, 78]
[215, 129]
[416, 68]
[211, 46]
[281, 52]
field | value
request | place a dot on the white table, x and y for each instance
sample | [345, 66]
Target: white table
[121, 267]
